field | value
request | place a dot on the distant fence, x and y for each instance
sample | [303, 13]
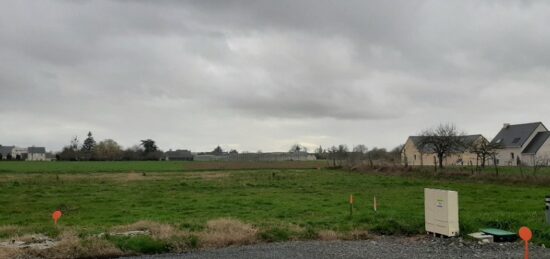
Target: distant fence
[257, 157]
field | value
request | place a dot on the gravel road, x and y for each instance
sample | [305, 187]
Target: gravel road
[378, 247]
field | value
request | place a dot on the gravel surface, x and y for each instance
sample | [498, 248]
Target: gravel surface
[378, 247]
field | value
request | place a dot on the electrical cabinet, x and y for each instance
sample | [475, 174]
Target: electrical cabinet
[441, 212]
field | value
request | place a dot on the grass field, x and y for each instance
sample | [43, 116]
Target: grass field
[281, 203]
[61, 167]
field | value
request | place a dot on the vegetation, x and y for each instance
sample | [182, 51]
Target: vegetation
[442, 140]
[187, 205]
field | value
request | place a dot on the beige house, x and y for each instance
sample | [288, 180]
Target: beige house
[524, 144]
[412, 154]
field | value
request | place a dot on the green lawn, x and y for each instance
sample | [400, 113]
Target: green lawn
[311, 198]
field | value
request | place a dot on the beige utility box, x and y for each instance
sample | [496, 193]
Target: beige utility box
[441, 212]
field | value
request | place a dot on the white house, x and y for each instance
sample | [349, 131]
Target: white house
[523, 143]
[18, 153]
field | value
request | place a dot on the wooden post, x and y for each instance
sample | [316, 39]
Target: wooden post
[351, 205]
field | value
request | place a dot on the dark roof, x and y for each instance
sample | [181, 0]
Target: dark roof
[515, 135]
[36, 150]
[467, 140]
[5, 150]
[537, 142]
[179, 153]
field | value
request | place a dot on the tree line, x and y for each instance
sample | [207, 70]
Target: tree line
[341, 155]
[108, 150]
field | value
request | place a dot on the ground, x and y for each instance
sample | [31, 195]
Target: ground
[378, 247]
[271, 204]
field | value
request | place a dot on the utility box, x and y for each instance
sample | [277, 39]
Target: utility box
[441, 212]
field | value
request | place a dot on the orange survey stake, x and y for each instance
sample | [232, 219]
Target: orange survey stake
[526, 234]
[56, 216]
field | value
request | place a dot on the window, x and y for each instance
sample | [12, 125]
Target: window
[414, 157]
[516, 140]
[512, 154]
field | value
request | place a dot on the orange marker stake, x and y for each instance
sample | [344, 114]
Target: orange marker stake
[56, 216]
[526, 234]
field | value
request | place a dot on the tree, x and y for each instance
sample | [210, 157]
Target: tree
[484, 150]
[320, 153]
[70, 152]
[362, 149]
[233, 152]
[133, 153]
[88, 146]
[442, 140]
[217, 151]
[108, 150]
[149, 146]
[333, 155]
[297, 148]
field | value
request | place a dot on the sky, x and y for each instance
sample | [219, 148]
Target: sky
[263, 75]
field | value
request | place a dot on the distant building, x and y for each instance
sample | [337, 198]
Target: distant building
[526, 144]
[6, 152]
[180, 154]
[414, 154]
[36, 154]
[270, 156]
[18, 153]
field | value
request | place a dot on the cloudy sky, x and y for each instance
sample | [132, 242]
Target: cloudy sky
[262, 75]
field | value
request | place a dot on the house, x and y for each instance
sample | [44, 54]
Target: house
[524, 144]
[6, 152]
[36, 154]
[414, 154]
[18, 153]
[179, 155]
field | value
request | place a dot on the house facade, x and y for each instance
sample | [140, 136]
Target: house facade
[414, 154]
[522, 144]
[18, 153]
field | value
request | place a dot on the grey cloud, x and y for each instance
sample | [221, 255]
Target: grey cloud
[181, 70]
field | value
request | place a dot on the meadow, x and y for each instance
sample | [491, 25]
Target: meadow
[281, 204]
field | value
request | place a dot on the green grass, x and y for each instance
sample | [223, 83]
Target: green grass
[90, 166]
[270, 199]
[63, 167]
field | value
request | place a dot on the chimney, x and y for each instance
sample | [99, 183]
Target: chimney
[506, 125]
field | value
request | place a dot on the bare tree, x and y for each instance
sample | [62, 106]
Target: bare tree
[442, 140]
[484, 150]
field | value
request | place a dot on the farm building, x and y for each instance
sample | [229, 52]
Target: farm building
[180, 154]
[414, 154]
[271, 156]
[526, 144]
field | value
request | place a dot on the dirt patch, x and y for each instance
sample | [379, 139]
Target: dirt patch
[36, 241]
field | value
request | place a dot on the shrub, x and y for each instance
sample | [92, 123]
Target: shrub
[225, 232]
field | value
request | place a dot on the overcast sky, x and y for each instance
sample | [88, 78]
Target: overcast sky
[262, 75]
